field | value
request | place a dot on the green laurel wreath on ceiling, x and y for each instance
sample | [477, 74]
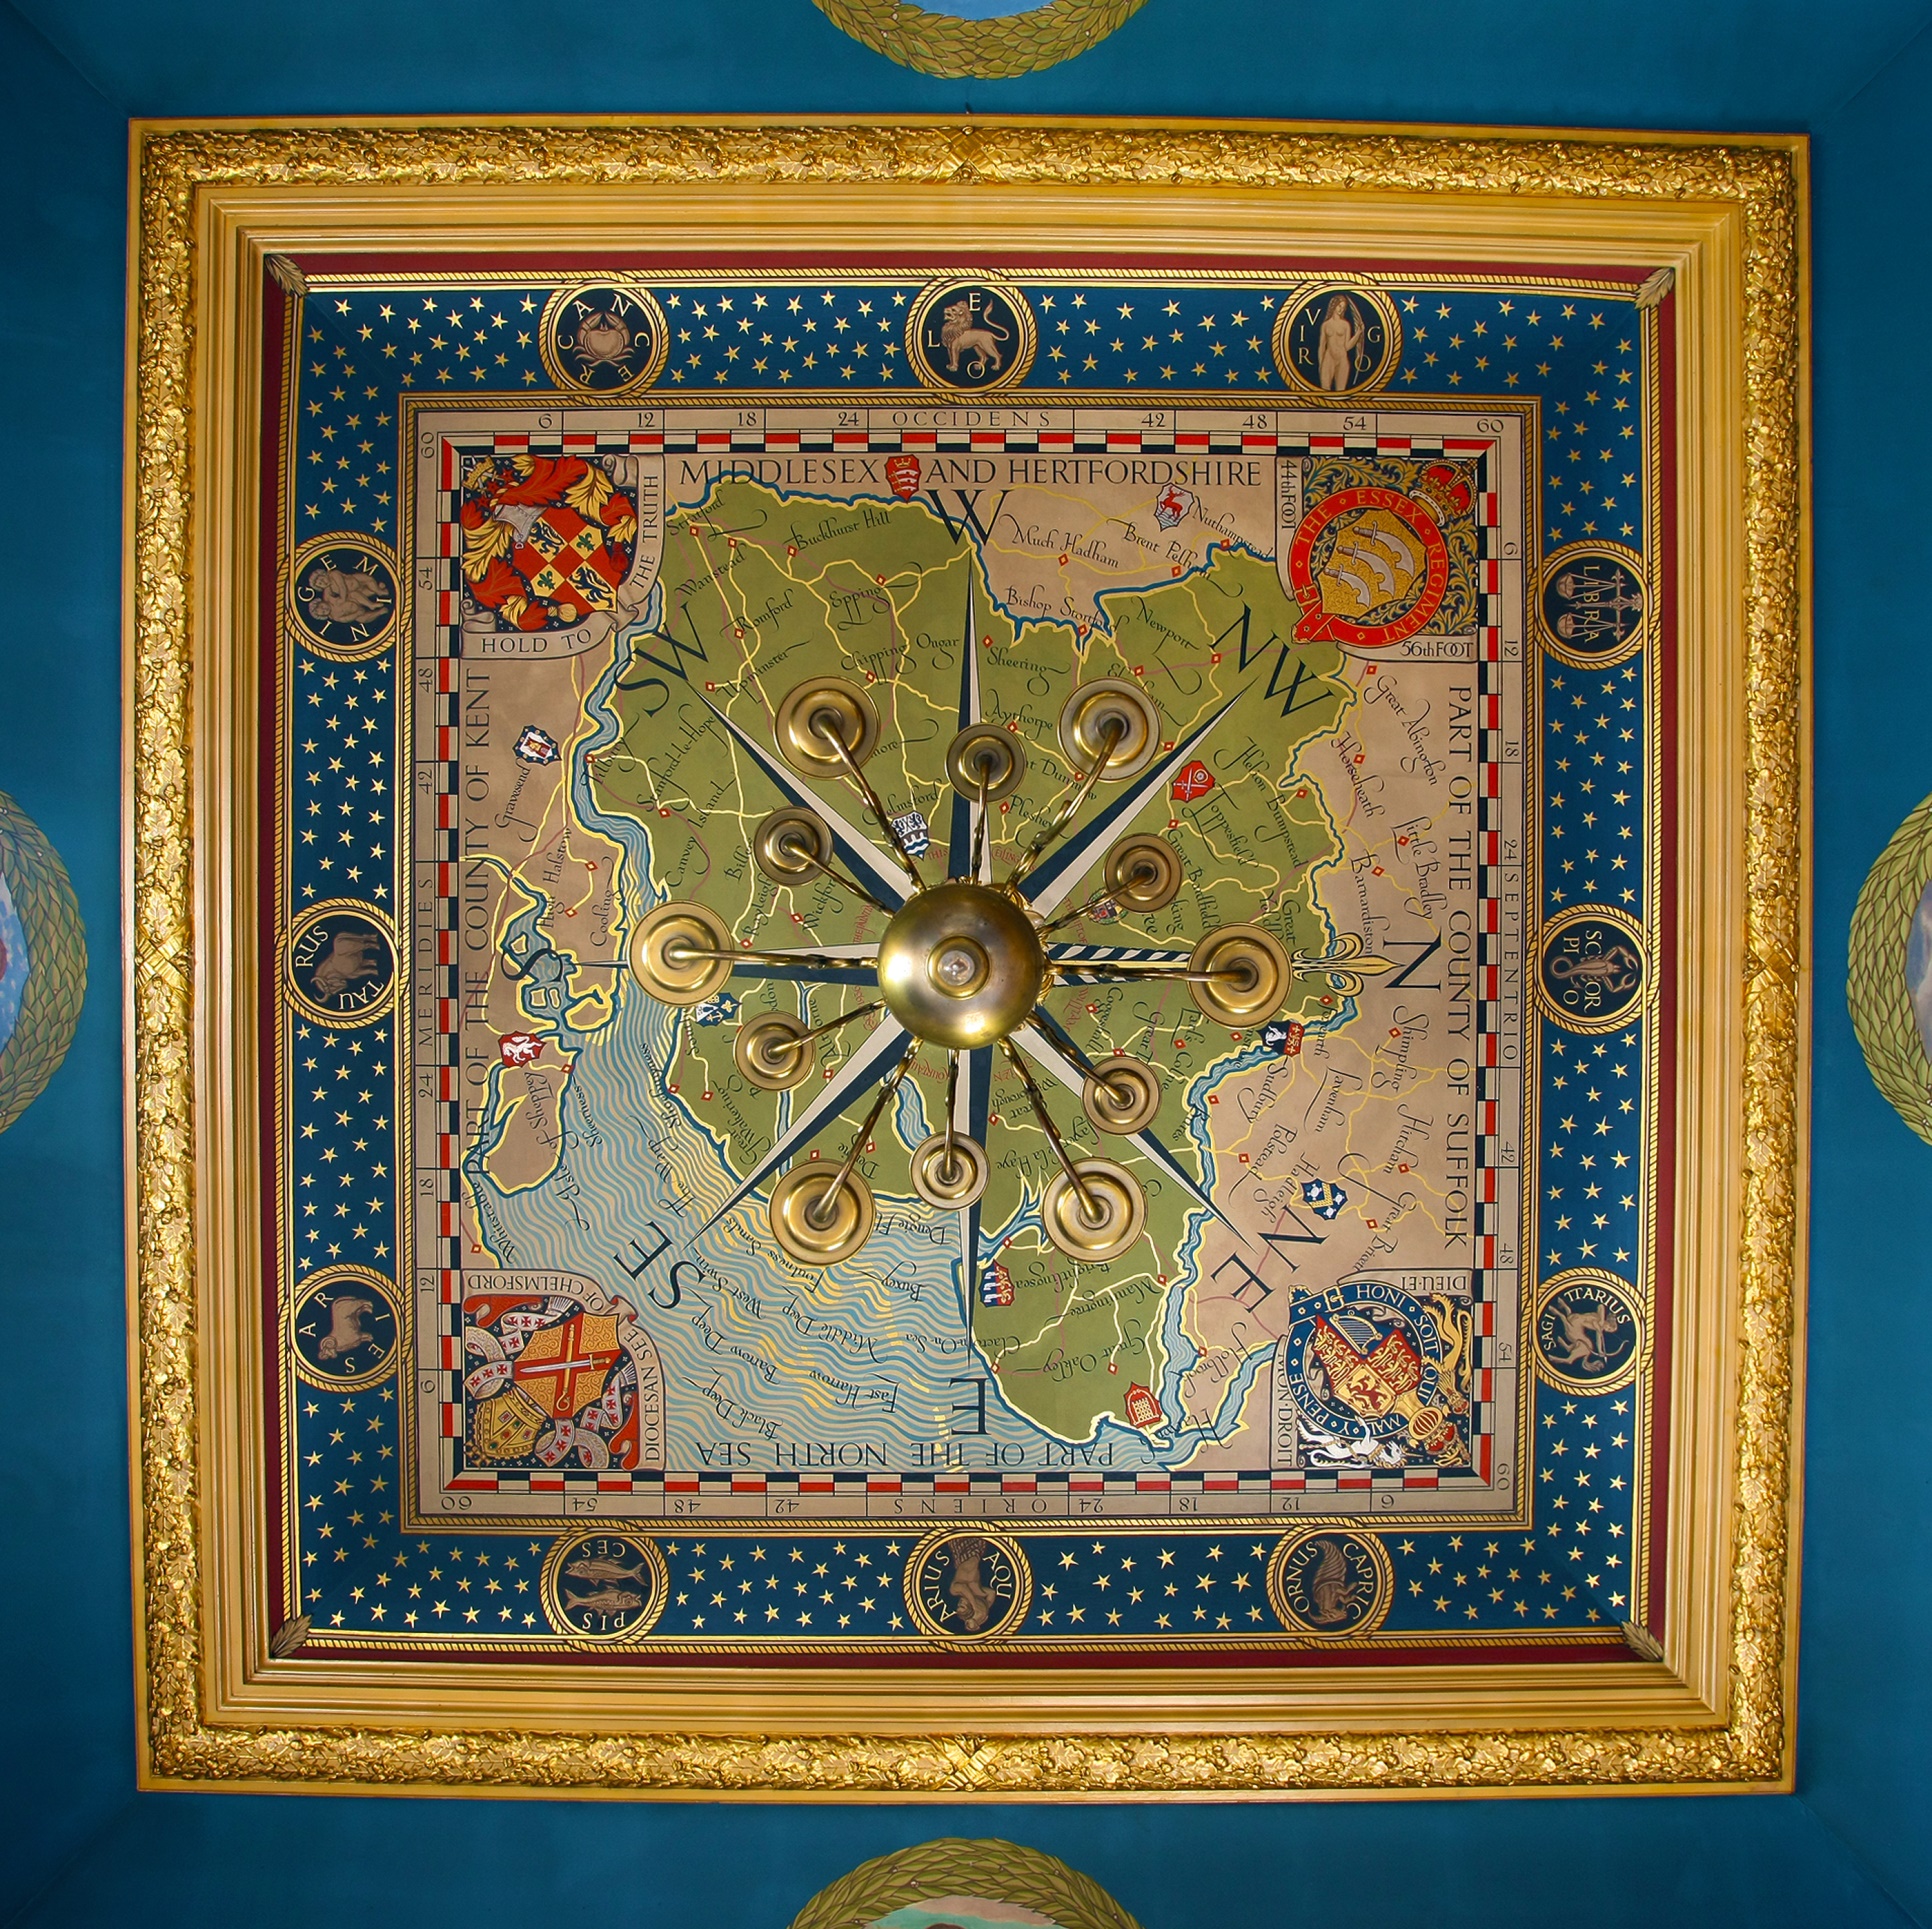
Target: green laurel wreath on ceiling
[1876, 988]
[997, 49]
[955, 1866]
[56, 958]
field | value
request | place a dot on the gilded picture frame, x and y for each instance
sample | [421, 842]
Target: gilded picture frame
[227, 1697]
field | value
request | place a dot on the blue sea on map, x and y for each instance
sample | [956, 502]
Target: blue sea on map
[1918, 968]
[13, 964]
[963, 1912]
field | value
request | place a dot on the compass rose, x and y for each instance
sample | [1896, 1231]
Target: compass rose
[965, 959]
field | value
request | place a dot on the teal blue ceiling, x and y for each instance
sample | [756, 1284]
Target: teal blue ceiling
[1708, 63]
[80, 1848]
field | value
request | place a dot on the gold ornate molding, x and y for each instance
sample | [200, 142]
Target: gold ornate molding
[216, 1708]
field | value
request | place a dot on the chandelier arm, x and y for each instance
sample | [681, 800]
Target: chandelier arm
[1059, 878]
[819, 1212]
[952, 1092]
[1136, 973]
[676, 952]
[863, 1069]
[851, 884]
[1050, 1030]
[1057, 825]
[848, 837]
[844, 1018]
[1088, 1205]
[1043, 1031]
[873, 802]
[969, 709]
[1093, 903]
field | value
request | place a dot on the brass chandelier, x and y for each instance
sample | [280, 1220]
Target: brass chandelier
[965, 961]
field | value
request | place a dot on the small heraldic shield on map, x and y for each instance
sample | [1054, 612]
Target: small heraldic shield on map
[1174, 504]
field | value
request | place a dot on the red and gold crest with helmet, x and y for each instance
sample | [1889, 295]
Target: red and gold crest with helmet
[546, 539]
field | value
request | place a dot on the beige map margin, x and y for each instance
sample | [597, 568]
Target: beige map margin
[214, 1707]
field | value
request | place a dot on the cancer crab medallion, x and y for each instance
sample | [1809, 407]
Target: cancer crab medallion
[961, 965]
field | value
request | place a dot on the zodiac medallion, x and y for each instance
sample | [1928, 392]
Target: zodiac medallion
[1589, 1331]
[965, 1588]
[1593, 968]
[1338, 338]
[343, 597]
[971, 333]
[603, 338]
[343, 1327]
[605, 1589]
[340, 962]
[1330, 1583]
[1591, 603]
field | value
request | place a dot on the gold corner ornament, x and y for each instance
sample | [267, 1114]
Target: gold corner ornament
[953, 45]
[214, 1714]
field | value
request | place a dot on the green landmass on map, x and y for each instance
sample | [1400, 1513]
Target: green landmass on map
[761, 591]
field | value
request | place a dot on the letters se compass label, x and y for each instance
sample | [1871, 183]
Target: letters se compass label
[1381, 1368]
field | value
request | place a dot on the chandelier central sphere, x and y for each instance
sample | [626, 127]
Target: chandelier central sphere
[961, 965]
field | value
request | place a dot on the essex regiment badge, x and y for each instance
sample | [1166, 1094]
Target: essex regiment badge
[1370, 564]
